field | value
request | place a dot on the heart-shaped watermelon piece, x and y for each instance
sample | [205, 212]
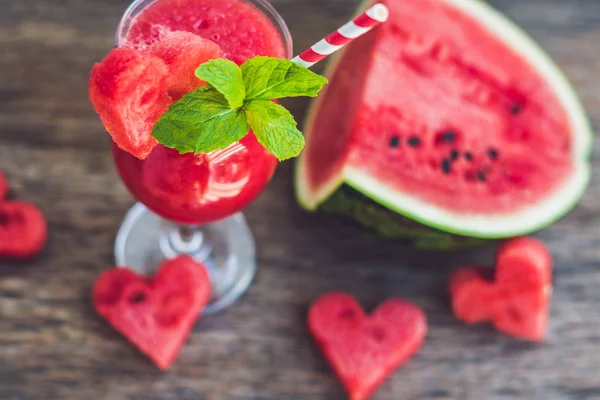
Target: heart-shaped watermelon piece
[155, 314]
[517, 301]
[3, 186]
[23, 230]
[365, 349]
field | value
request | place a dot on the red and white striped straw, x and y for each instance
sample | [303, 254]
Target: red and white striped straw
[362, 24]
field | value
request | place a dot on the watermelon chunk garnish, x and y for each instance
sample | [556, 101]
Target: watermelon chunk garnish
[155, 314]
[362, 349]
[129, 91]
[184, 52]
[132, 88]
[517, 300]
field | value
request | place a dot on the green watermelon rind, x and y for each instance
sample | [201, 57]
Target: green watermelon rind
[525, 221]
[390, 225]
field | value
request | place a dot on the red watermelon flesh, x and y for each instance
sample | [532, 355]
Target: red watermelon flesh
[184, 52]
[435, 104]
[129, 91]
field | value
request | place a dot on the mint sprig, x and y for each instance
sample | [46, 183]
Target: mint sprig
[236, 99]
[201, 122]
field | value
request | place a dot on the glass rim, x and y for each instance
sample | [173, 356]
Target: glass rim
[263, 6]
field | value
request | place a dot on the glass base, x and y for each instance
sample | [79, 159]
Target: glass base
[226, 247]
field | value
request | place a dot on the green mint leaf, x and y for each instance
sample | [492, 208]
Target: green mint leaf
[226, 77]
[274, 128]
[268, 78]
[201, 122]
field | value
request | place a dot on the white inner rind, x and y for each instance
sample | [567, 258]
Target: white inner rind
[522, 221]
[490, 226]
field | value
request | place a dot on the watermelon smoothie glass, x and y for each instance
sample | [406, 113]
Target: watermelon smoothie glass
[191, 203]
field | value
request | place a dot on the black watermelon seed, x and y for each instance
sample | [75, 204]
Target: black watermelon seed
[448, 136]
[446, 166]
[414, 141]
[138, 298]
[493, 153]
[480, 176]
[468, 156]
[454, 155]
[394, 141]
[516, 109]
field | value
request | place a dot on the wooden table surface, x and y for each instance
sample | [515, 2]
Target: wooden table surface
[56, 154]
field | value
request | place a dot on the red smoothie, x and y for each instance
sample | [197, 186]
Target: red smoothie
[198, 189]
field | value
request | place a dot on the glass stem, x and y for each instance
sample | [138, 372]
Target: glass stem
[186, 239]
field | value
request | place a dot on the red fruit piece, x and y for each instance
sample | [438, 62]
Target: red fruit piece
[155, 314]
[22, 230]
[184, 52]
[3, 187]
[364, 350]
[129, 91]
[517, 301]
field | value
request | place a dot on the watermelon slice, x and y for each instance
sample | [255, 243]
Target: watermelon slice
[448, 118]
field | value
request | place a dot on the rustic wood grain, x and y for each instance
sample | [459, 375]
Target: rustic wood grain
[56, 154]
